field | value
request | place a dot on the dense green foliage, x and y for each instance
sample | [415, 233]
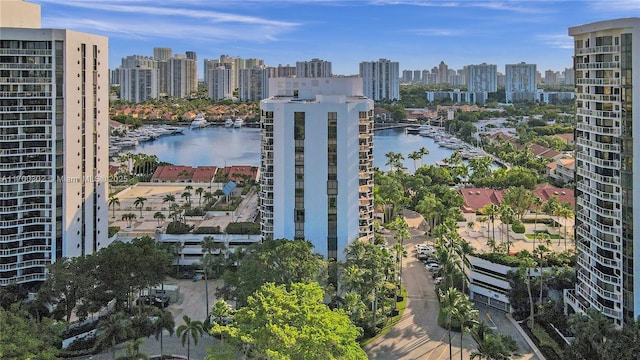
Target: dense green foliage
[292, 322]
[23, 337]
[249, 228]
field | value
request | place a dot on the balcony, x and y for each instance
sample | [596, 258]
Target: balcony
[609, 295]
[599, 194]
[611, 164]
[598, 145]
[24, 264]
[598, 81]
[25, 249]
[602, 130]
[606, 180]
[614, 115]
[598, 65]
[606, 49]
[616, 231]
[23, 279]
[616, 214]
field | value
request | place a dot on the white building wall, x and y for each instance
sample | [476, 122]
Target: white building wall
[483, 77]
[520, 82]
[316, 98]
[381, 79]
[73, 177]
[220, 83]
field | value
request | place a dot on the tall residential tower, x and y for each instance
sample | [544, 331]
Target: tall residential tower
[607, 67]
[381, 79]
[54, 114]
[317, 162]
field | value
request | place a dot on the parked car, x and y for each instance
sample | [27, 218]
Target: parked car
[432, 267]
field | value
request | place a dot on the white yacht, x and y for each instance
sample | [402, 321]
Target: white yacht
[238, 123]
[228, 123]
[199, 122]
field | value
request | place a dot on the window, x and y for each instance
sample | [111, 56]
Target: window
[298, 125]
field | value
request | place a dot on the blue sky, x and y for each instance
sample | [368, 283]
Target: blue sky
[417, 34]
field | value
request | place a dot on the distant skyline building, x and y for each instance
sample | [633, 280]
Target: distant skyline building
[162, 54]
[520, 82]
[55, 139]
[607, 222]
[314, 68]
[442, 76]
[138, 78]
[381, 79]
[220, 83]
[569, 76]
[285, 71]
[183, 76]
[317, 163]
[482, 78]
[254, 84]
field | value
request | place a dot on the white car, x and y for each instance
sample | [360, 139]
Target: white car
[425, 251]
[432, 267]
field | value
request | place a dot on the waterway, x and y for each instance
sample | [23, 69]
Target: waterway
[221, 146]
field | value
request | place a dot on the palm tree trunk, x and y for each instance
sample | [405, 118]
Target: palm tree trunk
[161, 345]
[188, 347]
[450, 350]
[461, 333]
[206, 291]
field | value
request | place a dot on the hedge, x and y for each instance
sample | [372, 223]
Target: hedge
[518, 228]
[249, 228]
[207, 230]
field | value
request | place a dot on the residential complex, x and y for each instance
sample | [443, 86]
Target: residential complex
[381, 79]
[317, 162]
[482, 78]
[315, 68]
[54, 87]
[138, 78]
[606, 169]
[520, 82]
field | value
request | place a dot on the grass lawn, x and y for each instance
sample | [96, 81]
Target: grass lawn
[392, 321]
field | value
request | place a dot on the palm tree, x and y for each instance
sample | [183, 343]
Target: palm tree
[467, 317]
[506, 216]
[187, 196]
[526, 265]
[113, 201]
[208, 245]
[208, 197]
[414, 156]
[164, 322]
[395, 160]
[188, 330]
[133, 349]
[169, 198]
[188, 188]
[139, 202]
[199, 192]
[542, 250]
[176, 250]
[450, 302]
[129, 217]
[537, 202]
[423, 152]
[565, 211]
[491, 210]
[113, 329]
[160, 217]
[464, 249]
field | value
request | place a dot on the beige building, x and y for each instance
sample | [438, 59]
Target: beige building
[54, 96]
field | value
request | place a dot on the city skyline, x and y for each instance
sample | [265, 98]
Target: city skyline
[417, 34]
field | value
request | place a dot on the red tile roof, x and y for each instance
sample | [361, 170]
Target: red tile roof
[252, 171]
[173, 173]
[204, 173]
[477, 198]
[566, 136]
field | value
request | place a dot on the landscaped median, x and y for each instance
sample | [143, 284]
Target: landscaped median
[402, 304]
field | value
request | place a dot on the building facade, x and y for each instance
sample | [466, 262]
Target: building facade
[381, 79]
[607, 167]
[315, 68]
[139, 78]
[254, 84]
[520, 82]
[219, 83]
[317, 163]
[54, 108]
[182, 77]
[482, 78]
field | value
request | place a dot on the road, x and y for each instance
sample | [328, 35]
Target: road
[417, 335]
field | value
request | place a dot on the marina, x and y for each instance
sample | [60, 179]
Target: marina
[220, 146]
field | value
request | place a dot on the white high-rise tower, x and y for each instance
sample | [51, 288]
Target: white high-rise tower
[54, 114]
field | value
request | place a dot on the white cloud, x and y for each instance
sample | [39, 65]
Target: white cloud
[559, 41]
[513, 6]
[616, 5]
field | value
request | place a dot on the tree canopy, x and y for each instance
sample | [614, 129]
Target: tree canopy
[293, 324]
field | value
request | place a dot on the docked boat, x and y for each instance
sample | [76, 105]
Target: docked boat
[228, 123]
[199, 122]
[238, 123]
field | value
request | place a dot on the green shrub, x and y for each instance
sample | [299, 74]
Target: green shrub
[194, 212]
[207, 230]
[113, 230]
[249, 228]
[518, 228]
[177, 227]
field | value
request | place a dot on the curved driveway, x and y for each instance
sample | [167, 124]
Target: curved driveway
[417, 335]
